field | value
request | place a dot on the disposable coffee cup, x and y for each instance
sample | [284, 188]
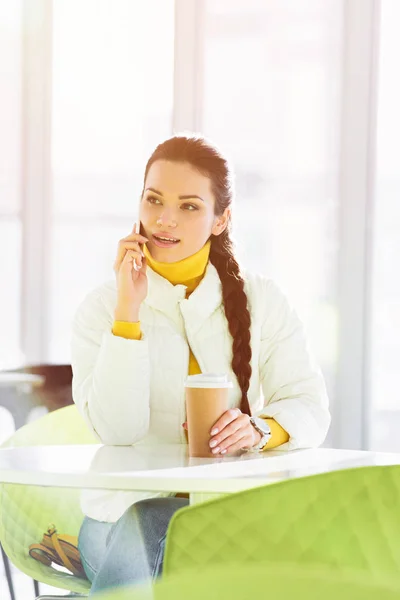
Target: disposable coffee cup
[207, 398]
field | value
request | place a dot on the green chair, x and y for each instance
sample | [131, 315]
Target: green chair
[343, 519]
[7, 429]
[26, 511]
[250, 582]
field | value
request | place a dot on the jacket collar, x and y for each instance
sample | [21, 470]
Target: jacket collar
[187, 271]
[167, 298]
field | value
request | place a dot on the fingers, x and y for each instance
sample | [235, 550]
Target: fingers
[228, 416]
[243, 443]
[128, 262]
[132, 255]
[123, 247]
[141, 265]
[134, 235]
[231, 434]
[238, 440]
[131, 242]
[132, 246]
[229, 430]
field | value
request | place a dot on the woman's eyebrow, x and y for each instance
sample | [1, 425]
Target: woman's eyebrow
[190, 196]
[154, 191]
[186, 197]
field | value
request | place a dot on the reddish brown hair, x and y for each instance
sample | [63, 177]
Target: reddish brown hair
[206, 158]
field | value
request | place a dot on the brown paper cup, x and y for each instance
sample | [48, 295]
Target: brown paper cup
[207, 398]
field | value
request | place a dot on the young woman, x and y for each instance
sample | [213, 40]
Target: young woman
[182, 305]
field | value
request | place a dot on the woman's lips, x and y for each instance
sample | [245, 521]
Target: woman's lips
[164, 244]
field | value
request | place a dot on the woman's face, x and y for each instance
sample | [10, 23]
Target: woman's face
[178, 204]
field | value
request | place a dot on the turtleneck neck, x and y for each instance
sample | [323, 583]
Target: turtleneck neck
[189, 271]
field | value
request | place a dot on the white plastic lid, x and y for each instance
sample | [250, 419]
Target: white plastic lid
[208, 380]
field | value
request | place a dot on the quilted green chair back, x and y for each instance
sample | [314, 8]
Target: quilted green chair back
[26, 511]
[246, 582]
[345, 519]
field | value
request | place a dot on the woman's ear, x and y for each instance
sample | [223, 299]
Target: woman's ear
[221, 222]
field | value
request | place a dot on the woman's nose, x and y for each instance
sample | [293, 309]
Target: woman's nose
[167, 219]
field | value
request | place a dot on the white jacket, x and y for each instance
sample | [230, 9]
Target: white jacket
[131, 391]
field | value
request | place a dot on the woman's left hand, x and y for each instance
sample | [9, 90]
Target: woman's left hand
[233, 431]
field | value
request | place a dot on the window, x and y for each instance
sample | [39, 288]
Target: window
[272, 101]
[10, 182]
[112, 103]
[383, 375]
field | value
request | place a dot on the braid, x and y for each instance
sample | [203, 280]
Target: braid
[236, 311]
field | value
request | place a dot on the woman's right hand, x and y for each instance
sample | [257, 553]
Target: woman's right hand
[131, 282]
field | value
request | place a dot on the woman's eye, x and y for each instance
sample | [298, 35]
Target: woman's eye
[190, 207]
[152, 200]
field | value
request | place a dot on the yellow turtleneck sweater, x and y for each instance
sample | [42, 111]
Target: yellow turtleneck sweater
[189, 272]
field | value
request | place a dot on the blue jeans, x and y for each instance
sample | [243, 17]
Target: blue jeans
[131, 550]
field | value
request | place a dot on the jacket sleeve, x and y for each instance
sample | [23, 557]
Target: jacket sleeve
[292, 384]
[111, 376]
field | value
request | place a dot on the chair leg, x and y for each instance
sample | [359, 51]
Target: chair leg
[36, 588]
[8, 573]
